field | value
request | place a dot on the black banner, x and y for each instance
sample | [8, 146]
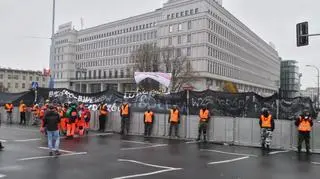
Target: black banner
[220, 103]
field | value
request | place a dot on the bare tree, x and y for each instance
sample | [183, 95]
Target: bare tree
[149, 58]
[179, 66]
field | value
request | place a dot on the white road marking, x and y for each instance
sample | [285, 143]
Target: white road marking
[43, 157]
[66, 151]
[2, 176]
[166, 169]
[230, 153]
[2, 140]
[27, 140]
[316, 163]
[152, 146]
[102, 134]
[228, 161]
[277, 152]
[192, 142]
[135, 142]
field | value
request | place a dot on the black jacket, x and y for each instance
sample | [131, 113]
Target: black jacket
[51, 120]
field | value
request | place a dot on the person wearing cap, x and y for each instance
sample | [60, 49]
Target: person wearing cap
[267, 126]
[9, 108]
[103, 114]
[125, 117]
[174, 120]
[204, 117]
[51, 125]
[304, 124]
[148, 120]
[22, 110]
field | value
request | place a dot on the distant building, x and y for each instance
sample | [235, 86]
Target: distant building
[289, 79]
[311, 93]
[219, 47]
[16, 80]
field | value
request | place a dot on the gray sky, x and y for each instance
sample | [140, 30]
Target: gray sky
[273, 20]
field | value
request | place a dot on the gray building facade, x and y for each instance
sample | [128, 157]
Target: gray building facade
[290, 79]
[219, 47]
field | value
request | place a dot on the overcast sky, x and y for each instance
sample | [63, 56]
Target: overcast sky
[273, 20]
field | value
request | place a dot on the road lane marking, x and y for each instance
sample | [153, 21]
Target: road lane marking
[61, 150]
[27, 140]
[165, 169]
[192, 142]
[228, 161]
[277, 152]
[230, 153]
[316, 163]
[2, 140]
[2, 176]
[44, 157]
[138, 148]
[136, 142]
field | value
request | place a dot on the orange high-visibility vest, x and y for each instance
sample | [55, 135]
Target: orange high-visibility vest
[22, 108]
[204, 115]
[148, 116]
[304, 126]
[265, 121]
[125, 109]
[174, 115]
[9, 107]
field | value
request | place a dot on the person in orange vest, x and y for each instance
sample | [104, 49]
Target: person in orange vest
[304, 124]
[266, 123]
[125, 117]
[86, 115]
[36, 114]
[174, 120]
[103, 114]
[22, 110]
[73, 116]
[9, 108]
[204, 117]
[64, 119]
[148, 120]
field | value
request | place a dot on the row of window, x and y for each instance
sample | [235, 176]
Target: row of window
[221, 55]
[59, 50]
[118, 41]
[17, 85]
[58, 58]
[179, 26]
[117, 32]
[183, 13]
[17, 77]
[58, 66]
[238, 31]
[181, 39]
[109, 52]
[112, 73]
[105, 62]
[61, 41]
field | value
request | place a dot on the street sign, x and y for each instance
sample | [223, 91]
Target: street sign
[34, 85]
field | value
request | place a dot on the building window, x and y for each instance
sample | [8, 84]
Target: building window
[196, 10]
[189, 25]
[177, 15]
[179, 27]
[116, 74]
[186, 13]
[16, 85]
[191, 12]
[170, 28]
[168, 16]
[182, 14]
[178, 52]
[189, 51]
[179, 39]
[110, 74]
[170, 40]
[23, 77]
[9, 85]
[189, 38]
[37, 78]
[1, 76]
[23, 85]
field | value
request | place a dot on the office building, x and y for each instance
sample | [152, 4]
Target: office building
[290, 79]
[17, 80]
[219, 47]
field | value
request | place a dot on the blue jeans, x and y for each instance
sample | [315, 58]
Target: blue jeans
[53, 136]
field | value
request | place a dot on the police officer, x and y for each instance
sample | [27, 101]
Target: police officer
[9, 108]
[103, 114]
[304, 124]
[204, 116]
[174, 120]
[148, 122]
[266, 128]
[125, 117]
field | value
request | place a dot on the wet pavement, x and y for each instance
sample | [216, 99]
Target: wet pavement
[110, 156]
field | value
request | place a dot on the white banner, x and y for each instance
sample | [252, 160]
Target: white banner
[163, 78]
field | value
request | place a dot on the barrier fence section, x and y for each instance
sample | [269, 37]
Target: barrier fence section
[237, 131]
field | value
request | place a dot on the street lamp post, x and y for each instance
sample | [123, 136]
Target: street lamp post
[317, 102]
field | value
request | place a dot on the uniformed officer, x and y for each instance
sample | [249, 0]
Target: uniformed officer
[304, 124]
[204, 116]
[267, 126]
[148, 122]
[174, 120]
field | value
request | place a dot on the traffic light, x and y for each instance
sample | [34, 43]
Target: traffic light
[302, 34]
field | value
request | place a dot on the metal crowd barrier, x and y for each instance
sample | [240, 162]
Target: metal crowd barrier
[237, 131]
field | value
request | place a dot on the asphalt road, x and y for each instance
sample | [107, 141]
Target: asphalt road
[110, 156]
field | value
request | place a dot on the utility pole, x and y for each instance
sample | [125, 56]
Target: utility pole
[51, 83]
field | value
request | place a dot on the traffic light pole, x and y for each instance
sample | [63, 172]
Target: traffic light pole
[309, 35]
